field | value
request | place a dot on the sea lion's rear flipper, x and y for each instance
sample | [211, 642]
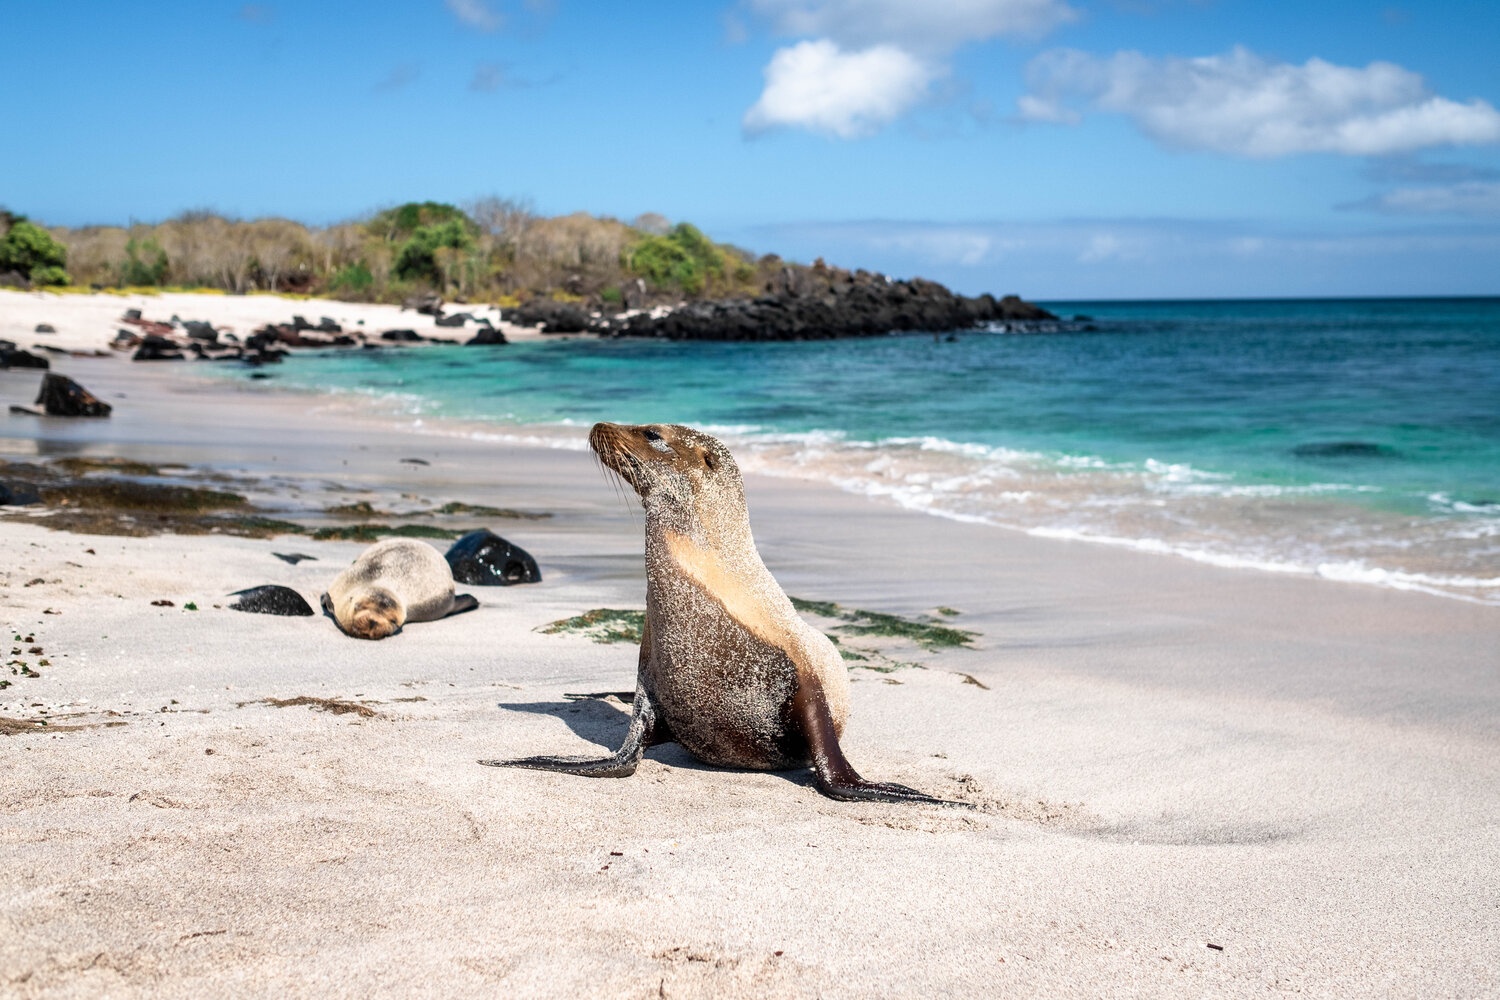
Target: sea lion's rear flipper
[462, 603]
[647, 728]
[836, 777]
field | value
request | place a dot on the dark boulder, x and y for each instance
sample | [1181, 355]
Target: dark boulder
[401, 336]
[155, 348]
[553, 317]
[60, 396]
[457, 319]
[12, 356]
[197, 329]
[486, 336]
[18, 495]
[327, 324]
[272, 599]
[484, 559]
[45, 328]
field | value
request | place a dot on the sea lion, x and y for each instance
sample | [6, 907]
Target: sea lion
[727, 666]
[393, 582]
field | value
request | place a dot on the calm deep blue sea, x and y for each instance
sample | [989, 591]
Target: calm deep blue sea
[1354, 439]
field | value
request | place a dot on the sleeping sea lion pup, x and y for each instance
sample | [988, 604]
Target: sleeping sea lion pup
[727, 666]
[393, 582]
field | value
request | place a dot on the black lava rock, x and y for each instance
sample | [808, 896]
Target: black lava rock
[272, 599]
[60, 396]
[18, 495]
[155, 348]
[12, 356]
[486, 336]
[484, 559]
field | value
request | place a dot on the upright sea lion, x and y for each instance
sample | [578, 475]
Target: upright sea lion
[393, 582]
[727, 666]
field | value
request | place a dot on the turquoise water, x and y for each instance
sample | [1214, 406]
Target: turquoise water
[1354, 439]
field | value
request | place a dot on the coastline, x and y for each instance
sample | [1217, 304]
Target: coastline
[1163, 757]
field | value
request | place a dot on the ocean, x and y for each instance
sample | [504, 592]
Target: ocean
[1356, 440]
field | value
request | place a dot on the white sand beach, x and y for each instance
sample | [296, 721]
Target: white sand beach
[1181, 780]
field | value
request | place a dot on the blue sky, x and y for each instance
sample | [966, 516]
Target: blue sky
[1055, 148]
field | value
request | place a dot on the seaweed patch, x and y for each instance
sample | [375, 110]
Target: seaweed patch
[605, 625]
[371, 532]
[332, 705]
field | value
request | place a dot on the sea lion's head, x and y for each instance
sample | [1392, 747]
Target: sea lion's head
[374, 614]
[678, 472]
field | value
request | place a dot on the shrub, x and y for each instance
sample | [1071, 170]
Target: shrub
[31, 250]
[684, 258]
[403, 221]
[49, 274]
[417, 259]
[145, 263]
[354, 278]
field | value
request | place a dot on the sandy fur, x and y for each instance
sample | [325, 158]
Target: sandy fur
[404, 572]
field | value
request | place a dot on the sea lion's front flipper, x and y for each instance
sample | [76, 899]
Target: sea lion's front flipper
[836, 777]
[647, 728]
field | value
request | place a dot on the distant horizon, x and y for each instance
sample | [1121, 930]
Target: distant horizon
[1056, 148]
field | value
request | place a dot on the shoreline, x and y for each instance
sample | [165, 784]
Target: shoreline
[1159, 756]
[844, 471]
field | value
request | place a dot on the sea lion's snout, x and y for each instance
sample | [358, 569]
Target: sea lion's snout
[628, 452]
[375, 616]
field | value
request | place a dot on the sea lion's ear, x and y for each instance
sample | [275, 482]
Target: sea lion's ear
[709, 460]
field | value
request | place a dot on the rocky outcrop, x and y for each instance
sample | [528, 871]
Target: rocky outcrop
[552, 317]
[486, 336]
[816, 303]
[12, 356]
[60, 396]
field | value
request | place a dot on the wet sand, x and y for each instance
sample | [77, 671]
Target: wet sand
[1184, 780]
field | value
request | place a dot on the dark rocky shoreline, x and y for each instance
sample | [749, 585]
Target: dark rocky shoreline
[816, 303]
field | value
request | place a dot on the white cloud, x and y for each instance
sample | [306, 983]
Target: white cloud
[1469, 198]
[1241, 104]
[817, 86]
[917, 25]
[864, 63]
[474, 13]
[940, 244]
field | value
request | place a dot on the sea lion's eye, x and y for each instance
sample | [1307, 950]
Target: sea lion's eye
[657, 441]
[651, 435]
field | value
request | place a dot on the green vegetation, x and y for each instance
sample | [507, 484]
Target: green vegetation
[611, 625]
[145, 263]
[602, 625]
[495, 249]
[372, 532]
[684, 259]
[924, 631]
[33, 252]
[479, 510]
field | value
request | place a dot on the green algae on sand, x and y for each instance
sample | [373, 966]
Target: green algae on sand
[606, 625]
